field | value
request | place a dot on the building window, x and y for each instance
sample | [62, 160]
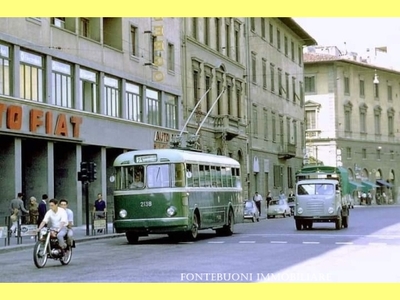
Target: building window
[301, 94]
[228, 37]
[217, 34]
[271, 34]
[133, 102]
[171, 57]
[378, 154]
[134, 41]
[255, 121]
[376, 90]
[362, 88]
[292, 49]
[278, 176]
[153, 107]
[153, 51]
[239, 100]
[264, 73]
[84, 28]
[5, 70]
[278, 38]
[272, 69]
[290, 177]
[280, 87]
[31, 76]
[253, 68]
[194, 28]
[265, 124]
[88, 91]
[286, 45]
[294, 89]
[391, 154]
[310, 84]
[61, 83]
[377, 121]
[287, 85]
[391, 125]
[348, 152]
[111, 96]
[263, 29]
[347, 120]
[237, 41]
[300, 54]
[58, 22]
[171, 109]
[295, 132]
[273, 123]
[288, 130]
[311, 119]
[208, 95]
[252, 24]
[363, 122]
[229, 98]
[364, 153]
[196, 85]
[389, 93]
[219, 91]
[346, 85]
[207, 31]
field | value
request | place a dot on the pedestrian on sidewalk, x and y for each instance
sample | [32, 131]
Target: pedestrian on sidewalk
[18, 203]
[42, 208]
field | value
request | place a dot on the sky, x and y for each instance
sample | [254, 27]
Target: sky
[356, 33]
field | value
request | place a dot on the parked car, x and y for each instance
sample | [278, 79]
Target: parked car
[278, 208]
[251, 211]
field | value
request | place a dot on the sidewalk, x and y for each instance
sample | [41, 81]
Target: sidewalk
[79, 236]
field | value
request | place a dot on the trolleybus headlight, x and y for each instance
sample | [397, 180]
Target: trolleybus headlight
[330, 210]
[171, 211]
[123, 213]
[299, 210]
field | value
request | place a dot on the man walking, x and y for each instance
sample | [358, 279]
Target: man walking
[15, 204]
[42, 208]
[257, 199]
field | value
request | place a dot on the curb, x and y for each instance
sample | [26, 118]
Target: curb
[6, 249]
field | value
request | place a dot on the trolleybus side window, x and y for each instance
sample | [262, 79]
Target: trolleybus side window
[218, 179]
[195, 175]
[213, 176]
[158, 176]
[201, 176]
[207, 176]
[189, 175]
[179, 178]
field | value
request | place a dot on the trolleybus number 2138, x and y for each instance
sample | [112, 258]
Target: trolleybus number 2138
[176, 192]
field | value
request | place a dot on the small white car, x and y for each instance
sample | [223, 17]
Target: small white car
[251, 211]
[278, 208]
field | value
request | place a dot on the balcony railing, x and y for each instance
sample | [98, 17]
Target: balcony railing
[287, 151]
[227, 124]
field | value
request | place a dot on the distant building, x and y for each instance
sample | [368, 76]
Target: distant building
[352, 116]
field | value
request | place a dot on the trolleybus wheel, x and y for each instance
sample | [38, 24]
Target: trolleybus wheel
[298, 225]
[193, 233]
[228, 228]
[132, 237]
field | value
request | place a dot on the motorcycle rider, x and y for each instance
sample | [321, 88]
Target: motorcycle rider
[70, 214]
[56, 217]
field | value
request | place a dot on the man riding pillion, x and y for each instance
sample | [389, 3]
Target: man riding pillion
[56, 217]
[70, 214]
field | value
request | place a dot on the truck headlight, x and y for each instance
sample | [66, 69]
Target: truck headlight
[299, 210]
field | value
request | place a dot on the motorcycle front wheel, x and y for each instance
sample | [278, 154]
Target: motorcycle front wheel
[39, 254]
[67, 256]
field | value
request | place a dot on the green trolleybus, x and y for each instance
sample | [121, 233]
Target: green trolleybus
[176, 192]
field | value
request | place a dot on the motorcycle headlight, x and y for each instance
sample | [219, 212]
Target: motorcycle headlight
[123, 213]
[43, 231]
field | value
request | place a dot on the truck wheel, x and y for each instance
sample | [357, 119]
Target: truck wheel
[338, 223]
[345, 221]
[298, 225]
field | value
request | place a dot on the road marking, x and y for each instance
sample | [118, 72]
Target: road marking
[310, 242]
[247, 242]
[221, 242]
[344, 243]
[377, 244]
[278, 242]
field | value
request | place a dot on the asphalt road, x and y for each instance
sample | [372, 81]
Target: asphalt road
[270, 250]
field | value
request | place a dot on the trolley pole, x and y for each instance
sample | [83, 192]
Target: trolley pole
[86, 192]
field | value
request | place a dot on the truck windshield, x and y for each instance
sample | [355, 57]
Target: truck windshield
[315, 189]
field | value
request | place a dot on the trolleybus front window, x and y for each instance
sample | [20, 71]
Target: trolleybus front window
[158, 176]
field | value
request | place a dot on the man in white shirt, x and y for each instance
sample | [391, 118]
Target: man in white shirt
[70, 214]
[257, 199]
[56, 217]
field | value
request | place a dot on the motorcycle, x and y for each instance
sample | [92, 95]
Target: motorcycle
[47, 246]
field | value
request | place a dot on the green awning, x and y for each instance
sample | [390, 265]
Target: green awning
[368, 185]
[354, 185]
